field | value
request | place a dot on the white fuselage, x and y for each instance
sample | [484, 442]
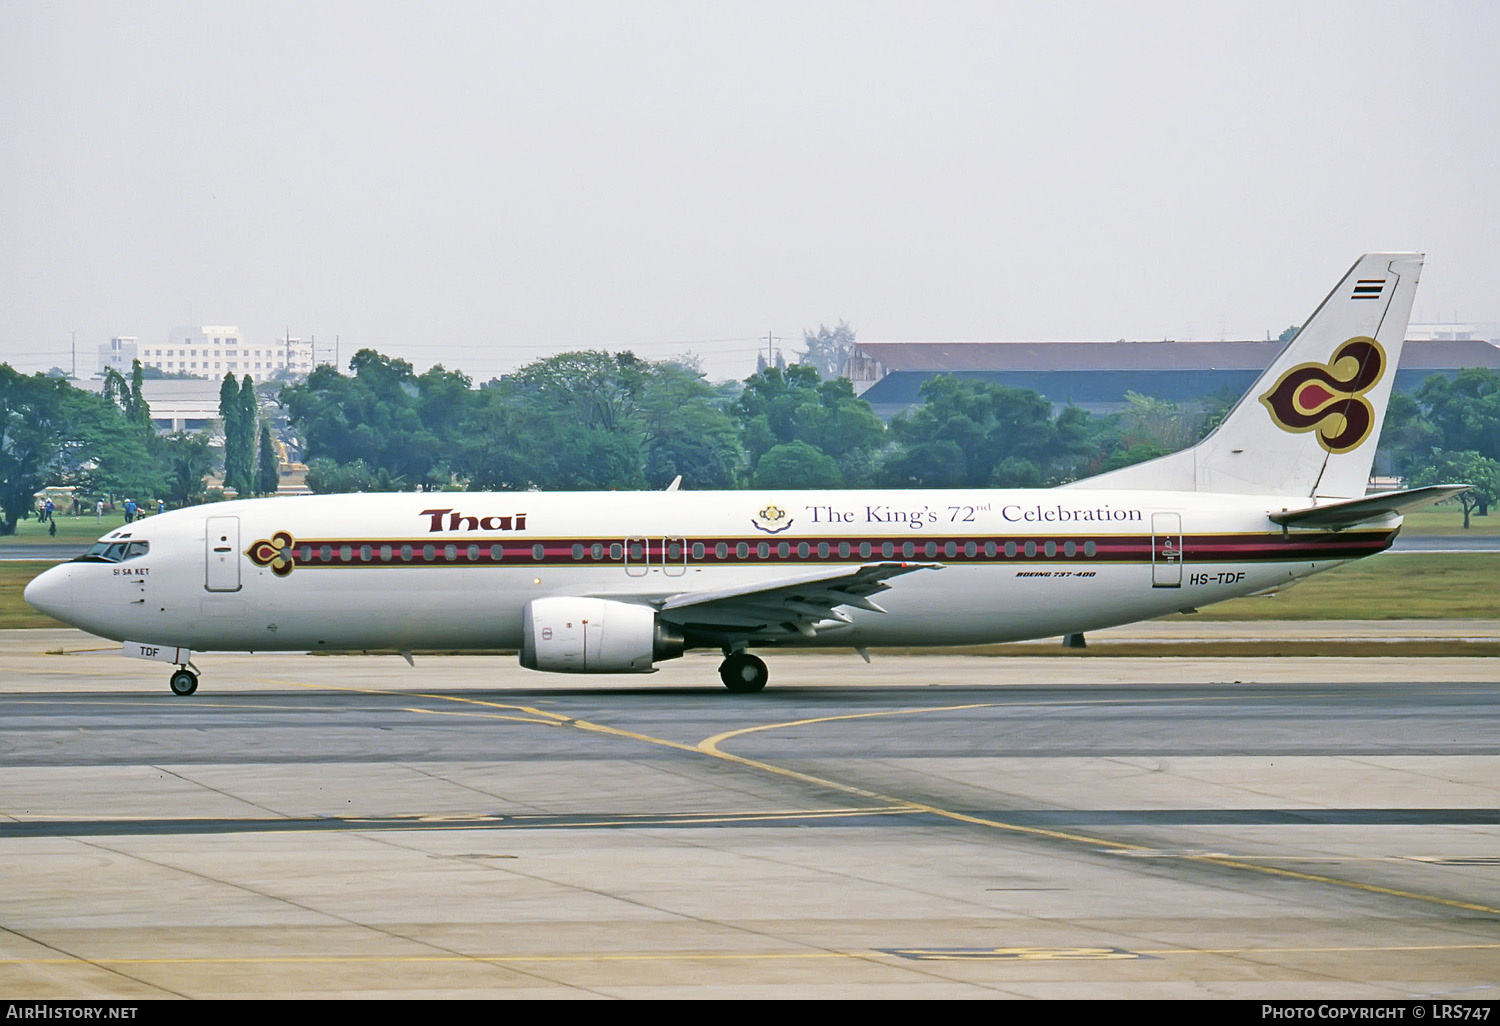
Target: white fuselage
[454, 570]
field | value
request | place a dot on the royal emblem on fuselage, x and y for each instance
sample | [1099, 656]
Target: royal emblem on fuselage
[772, 520]
[275, 552]
[1330, 397]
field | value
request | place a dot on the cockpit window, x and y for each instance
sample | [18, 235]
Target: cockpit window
[115, 551]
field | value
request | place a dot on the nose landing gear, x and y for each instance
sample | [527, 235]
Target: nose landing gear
[184, 681]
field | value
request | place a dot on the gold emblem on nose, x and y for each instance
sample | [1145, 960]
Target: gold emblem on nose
[275, 552]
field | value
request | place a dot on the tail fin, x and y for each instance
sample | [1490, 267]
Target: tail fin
[1309, 425]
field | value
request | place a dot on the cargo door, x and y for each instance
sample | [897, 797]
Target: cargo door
[222, 544]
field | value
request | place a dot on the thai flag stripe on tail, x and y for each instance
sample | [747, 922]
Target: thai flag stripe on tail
[1368, 288]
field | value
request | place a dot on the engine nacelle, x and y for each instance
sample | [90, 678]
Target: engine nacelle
[591, 635]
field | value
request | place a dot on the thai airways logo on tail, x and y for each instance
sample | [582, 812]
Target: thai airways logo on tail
[1330, 397]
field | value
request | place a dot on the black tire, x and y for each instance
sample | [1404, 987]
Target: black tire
[743, 673]
[184, 682]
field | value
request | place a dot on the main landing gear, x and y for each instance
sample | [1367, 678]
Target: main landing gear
[184, 681]
[743, 673]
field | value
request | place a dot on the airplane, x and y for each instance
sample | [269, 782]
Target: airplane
[617, 582]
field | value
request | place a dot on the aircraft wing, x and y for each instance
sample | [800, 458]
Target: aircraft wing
[787, 604]
[1338, 515]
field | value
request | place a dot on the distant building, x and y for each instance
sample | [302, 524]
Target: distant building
[213, 350]
[117, 355]
[176, 405]
[1446, 331]
[1096, 375]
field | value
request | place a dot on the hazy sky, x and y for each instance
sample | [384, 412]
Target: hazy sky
[482, 183]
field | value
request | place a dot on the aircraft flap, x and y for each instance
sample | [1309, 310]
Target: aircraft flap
[797, 602]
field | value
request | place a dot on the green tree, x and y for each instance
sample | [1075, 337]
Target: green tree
[570, 421]
[1469, 467]
[780, 406]
[237, 445]
[602, 421]
[404, 425]
[1465, 411]
[1406, 438]
[32, 433]
[972, 433]
[267, 466]
[687, 431]
[243, 479]
[1160, 423]
[53, 433]
[797, 465]
[828, 349]
[1453, 415]
[138, 411]
[325, 476]
[188, 458]
[109, 455]
[116, 389]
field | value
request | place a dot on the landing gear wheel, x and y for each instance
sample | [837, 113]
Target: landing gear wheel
[743, 673]
[184, 682]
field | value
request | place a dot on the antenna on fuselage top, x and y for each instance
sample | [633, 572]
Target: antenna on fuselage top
[675, 482]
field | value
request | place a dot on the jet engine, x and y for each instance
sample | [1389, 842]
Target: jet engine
[591, 635]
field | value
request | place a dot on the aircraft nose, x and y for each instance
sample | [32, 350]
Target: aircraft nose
[51, 592]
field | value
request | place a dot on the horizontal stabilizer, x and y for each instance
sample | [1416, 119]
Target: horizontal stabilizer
[1338, 515]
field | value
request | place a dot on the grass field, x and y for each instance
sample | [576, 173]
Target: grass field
[14, 612]
[1392, 586]
[1448, 518]
[82, 530]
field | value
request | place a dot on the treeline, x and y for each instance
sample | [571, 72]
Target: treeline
[1448, 431]
[595, 420]
[105, 446]
[599, 421]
